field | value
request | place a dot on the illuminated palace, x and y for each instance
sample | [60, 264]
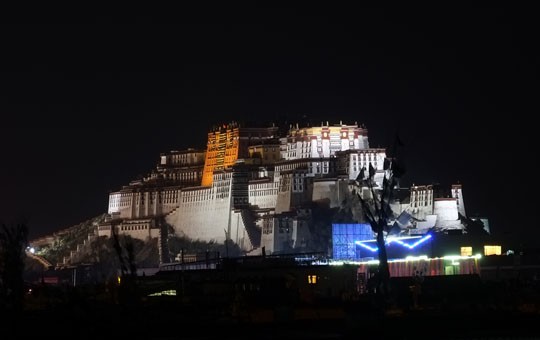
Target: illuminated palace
[256, 187]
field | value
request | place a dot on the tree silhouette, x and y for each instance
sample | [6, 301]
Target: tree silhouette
[473, 227]
[13, 242]
[128, 290]
[376, 209]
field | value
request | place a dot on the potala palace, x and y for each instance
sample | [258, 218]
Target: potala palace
[258, 186]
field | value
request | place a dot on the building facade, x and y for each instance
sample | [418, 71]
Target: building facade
[258, 187]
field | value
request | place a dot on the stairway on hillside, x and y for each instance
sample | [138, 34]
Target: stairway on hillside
[82, 248]
[249, 217]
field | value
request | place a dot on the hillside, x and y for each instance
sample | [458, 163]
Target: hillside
[61, 247]
[80, 244]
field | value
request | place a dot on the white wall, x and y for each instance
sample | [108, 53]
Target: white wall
[445, 209]
[263, 194]
[326, 189]
[114, 202]
[201, 219]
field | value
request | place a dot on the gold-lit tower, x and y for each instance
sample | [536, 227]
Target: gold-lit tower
[229, 142]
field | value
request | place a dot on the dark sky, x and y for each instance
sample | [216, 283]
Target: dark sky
[87, 105]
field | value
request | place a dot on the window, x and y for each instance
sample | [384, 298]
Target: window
[466, 251]
[312, 279]
[267, 227]
[492, 250]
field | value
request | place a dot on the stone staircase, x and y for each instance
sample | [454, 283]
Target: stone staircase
[249, 217]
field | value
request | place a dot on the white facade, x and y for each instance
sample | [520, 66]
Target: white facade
[114, 203]
[189, 157]
[143, 202]
[263, 193]
[203, 209]
[353, 161]
[458, 195]
[421, 201]
[323, 141]
[283, 201]
[142, 229]
[446, 209]
[318, 164]
[332, 190]
[429, 222]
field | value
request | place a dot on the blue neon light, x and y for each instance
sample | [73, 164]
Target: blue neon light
[366, 246]
[410, 246]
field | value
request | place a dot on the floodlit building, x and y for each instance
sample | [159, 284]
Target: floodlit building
[267, 190]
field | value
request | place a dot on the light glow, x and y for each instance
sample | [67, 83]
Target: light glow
[417, 258]
[411, 246]
[170, 292]
[453, 258]
[362, 244]
[396, 240]
[466, 251]
[492, 250]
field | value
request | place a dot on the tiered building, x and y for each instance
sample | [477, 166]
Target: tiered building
[258, 187]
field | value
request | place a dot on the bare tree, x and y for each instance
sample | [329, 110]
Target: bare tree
[13, 242]
[378, 213]
[127, 293]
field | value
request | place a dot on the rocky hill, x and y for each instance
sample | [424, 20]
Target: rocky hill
[80, 244]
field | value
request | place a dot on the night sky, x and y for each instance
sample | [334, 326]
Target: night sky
[88, 105]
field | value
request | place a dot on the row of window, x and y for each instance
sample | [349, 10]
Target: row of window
[263, 192]
[126, 199]
[357, 167]
[183, 175]
[182, 159]
[267, 227]
[263, 186]
[134, 227]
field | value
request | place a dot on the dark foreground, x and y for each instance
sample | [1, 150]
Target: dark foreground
[445, 308]
[166, 319]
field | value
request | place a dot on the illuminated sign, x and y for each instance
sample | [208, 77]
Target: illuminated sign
[399, 240]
